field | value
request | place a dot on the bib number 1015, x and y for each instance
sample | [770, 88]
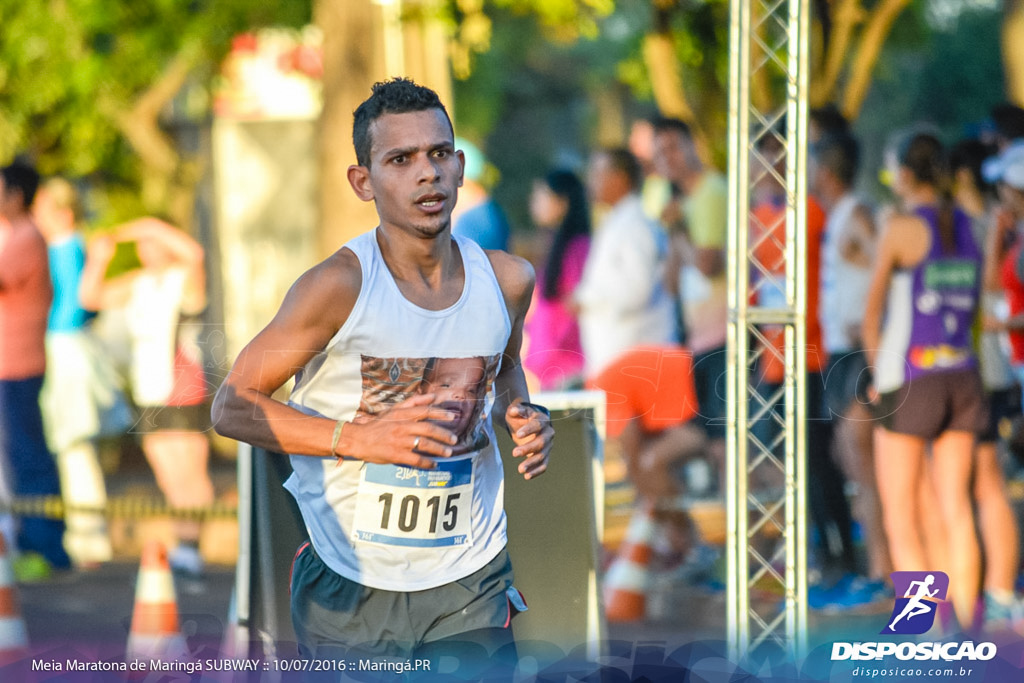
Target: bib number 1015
[405, 513]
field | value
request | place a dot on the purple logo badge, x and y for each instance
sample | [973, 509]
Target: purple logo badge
[917, 597]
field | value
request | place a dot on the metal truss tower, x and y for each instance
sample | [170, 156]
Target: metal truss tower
[766, 464]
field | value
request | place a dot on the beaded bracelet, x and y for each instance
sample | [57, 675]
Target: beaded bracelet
[337, 436]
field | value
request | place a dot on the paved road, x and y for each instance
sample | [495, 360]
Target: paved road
[85, 615]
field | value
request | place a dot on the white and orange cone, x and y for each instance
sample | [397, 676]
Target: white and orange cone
[13, 634]
[626, 581]
[154, 632]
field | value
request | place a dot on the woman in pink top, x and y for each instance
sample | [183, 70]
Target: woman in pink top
[558, 203]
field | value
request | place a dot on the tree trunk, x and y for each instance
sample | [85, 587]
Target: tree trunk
[168, 182]
[365, 42]
[861, 70]
[1013, 49]
[848, 14]
[666, 80]
[353, 60]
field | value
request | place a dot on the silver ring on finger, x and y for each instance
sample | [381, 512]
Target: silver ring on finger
[416, 443]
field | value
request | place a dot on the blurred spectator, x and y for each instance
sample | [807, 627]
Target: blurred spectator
[25, 295]
[651, 406]
[655, 191]
[559, 207]
[621, 298]
[80, 397]
[848, 250]
[840, 585]
[697, 220]
[1008, 120]
[1004, 276]
[925, 287]
[167, 379]
[477, 216]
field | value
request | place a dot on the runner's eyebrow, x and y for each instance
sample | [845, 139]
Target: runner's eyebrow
[401, 151]
[406, 151]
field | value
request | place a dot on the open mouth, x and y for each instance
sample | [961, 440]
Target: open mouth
[431, 201]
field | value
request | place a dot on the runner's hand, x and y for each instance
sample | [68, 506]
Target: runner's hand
[401, 435]
[532, 433]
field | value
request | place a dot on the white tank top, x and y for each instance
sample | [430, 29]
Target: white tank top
[844, 286]
[400, 528]
[152, 313]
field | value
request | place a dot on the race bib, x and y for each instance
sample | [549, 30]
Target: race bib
[406, 506]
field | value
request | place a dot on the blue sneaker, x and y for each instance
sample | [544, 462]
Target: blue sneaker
[849, 592]
[1003, 613]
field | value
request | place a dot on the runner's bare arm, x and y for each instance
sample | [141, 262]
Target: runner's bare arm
[315, 308]
[857, 241]
[95, 291]
[181, 248]
[530, 429]
[871, 328]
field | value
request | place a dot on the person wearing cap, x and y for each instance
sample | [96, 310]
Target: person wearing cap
[478, 216]
[1008, 122]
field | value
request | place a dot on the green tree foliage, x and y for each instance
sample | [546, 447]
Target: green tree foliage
[945, 75]
[85, 85]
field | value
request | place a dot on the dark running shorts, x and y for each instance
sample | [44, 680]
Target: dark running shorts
[930, 405]
[841, 379]
[1003, 404]
[333, 615]
[710, 381]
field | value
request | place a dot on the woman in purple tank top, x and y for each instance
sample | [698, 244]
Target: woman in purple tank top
[927, 391]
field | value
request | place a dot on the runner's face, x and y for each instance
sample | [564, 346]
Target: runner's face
[415, 171]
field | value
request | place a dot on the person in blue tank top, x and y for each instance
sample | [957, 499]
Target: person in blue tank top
[927, 389]
[407, 553]
[80, 399]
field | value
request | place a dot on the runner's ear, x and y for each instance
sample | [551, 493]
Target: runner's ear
[359, 179]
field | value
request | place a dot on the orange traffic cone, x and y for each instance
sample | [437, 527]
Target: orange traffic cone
[626, 581]
[154, 632]
[13, 635]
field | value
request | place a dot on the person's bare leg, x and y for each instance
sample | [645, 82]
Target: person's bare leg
[899, 470]
[952, 462]
[933, 526]
[996, 522]
[855, 450]
[179, 461]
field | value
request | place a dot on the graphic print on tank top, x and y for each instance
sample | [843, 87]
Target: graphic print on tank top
[407, 506]
[945, 291]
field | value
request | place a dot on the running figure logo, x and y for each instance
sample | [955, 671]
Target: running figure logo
[921, 592]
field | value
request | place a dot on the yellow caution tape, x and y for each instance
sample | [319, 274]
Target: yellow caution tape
[54, 507]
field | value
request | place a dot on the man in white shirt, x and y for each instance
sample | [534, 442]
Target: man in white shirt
[621, 298]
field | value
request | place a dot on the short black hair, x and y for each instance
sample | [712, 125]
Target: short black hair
[667, 124]
[971, 154]
[1008, 120]
[840, 154]
[830, 120]
[625, 162]
[396, 96]
[20, 175]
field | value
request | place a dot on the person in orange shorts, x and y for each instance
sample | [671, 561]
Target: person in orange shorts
[651, 403]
